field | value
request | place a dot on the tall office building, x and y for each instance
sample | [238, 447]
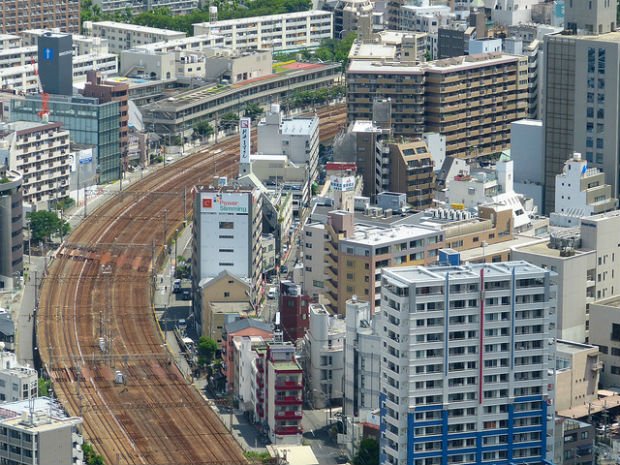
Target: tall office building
[582, 88]
[20, 15]
[226, 237]
[466, 368]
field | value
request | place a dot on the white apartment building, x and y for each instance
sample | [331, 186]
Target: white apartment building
[41, 153]
[40, 434]
[467, 364]
[605, 333]
[176, 7]
[297, 138]
[123, 36]
[362, 360]
[9, 41]
[17, 382]
[290, 31]
[481, 186]
[509, 12]
[580, 191]
[324, 356]
[196, 43]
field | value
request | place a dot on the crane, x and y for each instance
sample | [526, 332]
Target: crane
[45, 98]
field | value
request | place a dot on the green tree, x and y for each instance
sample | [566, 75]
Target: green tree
[253, 110]
[368, 453]
[229, 120]
[203, 128]
[65, 204]
[90, 456]
[207, 347]
[44, 387]
[44, 224]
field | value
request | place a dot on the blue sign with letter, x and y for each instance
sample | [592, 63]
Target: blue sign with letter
[48, 53]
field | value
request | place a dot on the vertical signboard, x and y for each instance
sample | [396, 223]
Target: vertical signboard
[245, 133]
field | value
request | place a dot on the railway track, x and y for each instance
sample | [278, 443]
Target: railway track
[101, 286]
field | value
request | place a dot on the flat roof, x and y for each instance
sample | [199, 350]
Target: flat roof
[285, 365]
[365, 126]
[369, 50]
[299, 126]
[299, 455]
[613, 301]
[571, 347]
[542, 248]
[445, 64]
[138, 28]
[368, 235]
[424, 274]
[258, 19]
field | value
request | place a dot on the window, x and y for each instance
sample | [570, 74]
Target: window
[227, 225]
[615, 332]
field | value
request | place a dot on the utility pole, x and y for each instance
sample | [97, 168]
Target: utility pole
[185, 204]
[165, 218]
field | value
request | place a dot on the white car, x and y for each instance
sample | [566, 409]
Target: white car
[271, 294]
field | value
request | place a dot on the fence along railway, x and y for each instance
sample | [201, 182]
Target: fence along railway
[101, 286]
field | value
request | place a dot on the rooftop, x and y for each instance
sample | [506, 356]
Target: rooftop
[286, 365]
[299, 126]
[255, 19]
[453, 64]
[370, 235]
[542, 248]
[423, 274]
[613, 301]
[570, 347]
[365, 126]
[138, 28]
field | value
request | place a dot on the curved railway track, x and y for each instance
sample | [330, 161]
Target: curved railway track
[101, 285]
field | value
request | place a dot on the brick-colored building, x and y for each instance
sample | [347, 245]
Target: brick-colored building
[110, 91]
[21, 15]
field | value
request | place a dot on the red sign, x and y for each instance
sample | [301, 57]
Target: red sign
[207, 203]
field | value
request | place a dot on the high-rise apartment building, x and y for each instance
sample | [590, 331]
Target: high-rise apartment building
[470, 99]
[581, 93]
[40, 153]
[467, 364]
[19, 15]
[226, 236]
[176, 7]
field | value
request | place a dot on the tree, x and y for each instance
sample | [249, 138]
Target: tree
[44, 224]
[207, 347]
[253, 110]
[90, 456]
[229, 120]
[44, 387]
[368, 453]
[203, 128]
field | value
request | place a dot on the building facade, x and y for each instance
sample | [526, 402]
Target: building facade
[176, 7]
[467, 364]
[123, 36]
[605, 333]
[470, 99]
[111, 91]
[88, 121]
[577, 370]
[19, 15]
[11, 227]
[324, 357]
[290, 31]
[294, 308]
[355, 256]
[412, 171]
[362, 360]
[226, 237]
[40, 153]
[17, 382]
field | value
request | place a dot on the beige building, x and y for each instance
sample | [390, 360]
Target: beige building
[355, 256]
[605, 333]
[223, 297]
[577, 374]
[412, 172]
[470, 99]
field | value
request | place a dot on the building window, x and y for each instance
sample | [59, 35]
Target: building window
[227, 225]
[615, 332]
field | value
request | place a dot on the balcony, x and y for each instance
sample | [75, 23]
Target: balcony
[289, 384]
[288, 415]
[286, 430]
[288, 400]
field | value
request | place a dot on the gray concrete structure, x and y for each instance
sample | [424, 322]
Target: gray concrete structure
[55, 62]
[11, 227]
[591, 17]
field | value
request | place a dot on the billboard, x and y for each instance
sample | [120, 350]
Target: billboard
[245, 142]
[55, 63]
[343, 183]
[215, 202]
